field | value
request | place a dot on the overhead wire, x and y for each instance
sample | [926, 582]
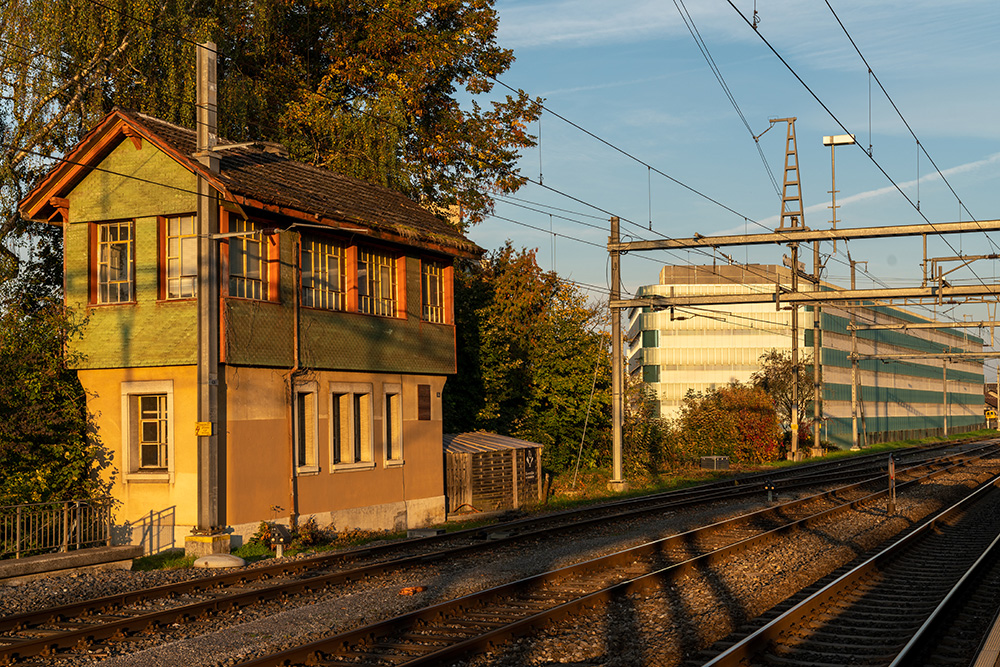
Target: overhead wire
[837, 120]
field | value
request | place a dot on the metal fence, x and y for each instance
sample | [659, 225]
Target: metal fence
[47, 527]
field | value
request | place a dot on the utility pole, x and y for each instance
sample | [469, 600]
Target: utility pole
[817, 352]
[854, 365]
[944, 389]
[832, 142]
[617, 483]
[208, 536]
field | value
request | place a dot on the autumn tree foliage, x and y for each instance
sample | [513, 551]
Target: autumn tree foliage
[737, 420]
[532, 359]
[370, 88]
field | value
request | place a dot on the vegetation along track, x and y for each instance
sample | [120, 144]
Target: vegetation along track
[902, 606]
[79, 624]
[453, 629]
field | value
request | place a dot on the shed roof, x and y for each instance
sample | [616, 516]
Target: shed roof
[479, 441]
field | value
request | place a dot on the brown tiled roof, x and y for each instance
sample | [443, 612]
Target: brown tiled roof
[257, 173]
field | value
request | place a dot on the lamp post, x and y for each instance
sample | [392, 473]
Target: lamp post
[832, 141]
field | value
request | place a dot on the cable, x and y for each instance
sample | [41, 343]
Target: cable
[844, 128]
[920, 146]
[703, 47]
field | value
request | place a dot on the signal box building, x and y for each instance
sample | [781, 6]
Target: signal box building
[707, 347]
[336, 329]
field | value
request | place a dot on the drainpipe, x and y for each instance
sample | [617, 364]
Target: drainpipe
[293, 482]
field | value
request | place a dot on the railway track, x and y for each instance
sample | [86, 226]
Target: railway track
[902, 606]
[60, 628]
[451, 630]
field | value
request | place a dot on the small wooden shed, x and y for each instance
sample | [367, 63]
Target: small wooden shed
[486, 472]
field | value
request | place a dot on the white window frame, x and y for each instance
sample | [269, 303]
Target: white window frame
[378, 292]
[108, 262]
[307, 392]
[347, 394]
[183, 285]
[131, 461]
[392, 418]
[432, 291]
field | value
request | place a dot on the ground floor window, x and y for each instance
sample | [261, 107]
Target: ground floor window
[306, 419]
[351, 425]
[393, 424]
[147, 429]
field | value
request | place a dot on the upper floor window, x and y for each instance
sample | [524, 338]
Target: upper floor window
[182, 257]
[323, 274]
[376, 283]
[432, 291]
[247, 262]
[115, 282]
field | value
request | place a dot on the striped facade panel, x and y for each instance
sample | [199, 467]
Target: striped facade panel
[704, 348]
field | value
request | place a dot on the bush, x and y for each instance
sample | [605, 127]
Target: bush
[738, 421]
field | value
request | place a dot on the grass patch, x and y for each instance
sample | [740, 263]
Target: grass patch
[171, 559]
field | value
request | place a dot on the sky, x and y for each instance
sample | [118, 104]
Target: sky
[632, 74]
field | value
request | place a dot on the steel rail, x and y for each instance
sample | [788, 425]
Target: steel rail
[409, 625]
[817, 603]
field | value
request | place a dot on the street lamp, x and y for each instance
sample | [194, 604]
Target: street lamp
[834, 141]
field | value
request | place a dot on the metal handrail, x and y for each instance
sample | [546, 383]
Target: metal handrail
[32, 528]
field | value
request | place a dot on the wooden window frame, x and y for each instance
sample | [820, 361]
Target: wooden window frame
[96, 244]
[131, 452]
[392, 424]
[351, 426]
[388, 265]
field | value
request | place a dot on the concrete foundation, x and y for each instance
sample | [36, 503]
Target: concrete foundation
[204, 545]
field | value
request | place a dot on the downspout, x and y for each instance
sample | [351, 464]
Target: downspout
[293, 489]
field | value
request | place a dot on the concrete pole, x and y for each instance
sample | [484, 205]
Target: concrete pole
[617, 483]
[208, 299]
[795, 454]
[944, 389]
[817, 352]
[854, 369]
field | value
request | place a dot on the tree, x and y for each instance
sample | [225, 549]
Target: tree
[369, 88]
[45, 449]
[532, 359]
[776, 376]
[645, 436]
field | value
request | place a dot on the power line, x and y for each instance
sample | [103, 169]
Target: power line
[844, 128]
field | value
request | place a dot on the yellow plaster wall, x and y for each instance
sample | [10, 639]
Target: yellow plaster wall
[138, 498]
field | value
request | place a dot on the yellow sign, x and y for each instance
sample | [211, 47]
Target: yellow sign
[203, 429]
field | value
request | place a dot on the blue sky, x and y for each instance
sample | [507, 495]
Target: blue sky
[631, 73]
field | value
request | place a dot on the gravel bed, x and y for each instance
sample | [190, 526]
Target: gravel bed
[647, 631]
[673, 624]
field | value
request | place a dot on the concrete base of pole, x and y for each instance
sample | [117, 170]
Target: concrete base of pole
[203, 545]
[618, 486]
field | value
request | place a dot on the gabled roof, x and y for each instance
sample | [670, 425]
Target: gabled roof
[255, 176]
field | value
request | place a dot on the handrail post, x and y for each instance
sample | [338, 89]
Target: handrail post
[17, 533]
[64, 542]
